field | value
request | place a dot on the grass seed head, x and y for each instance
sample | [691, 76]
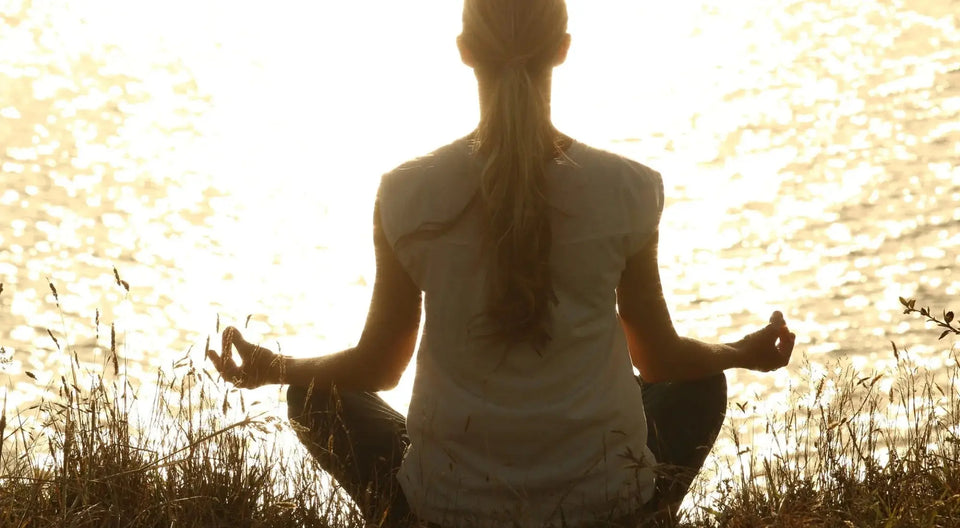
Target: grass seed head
[54, 338]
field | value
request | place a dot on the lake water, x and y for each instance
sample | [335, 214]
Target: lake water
[224, 157]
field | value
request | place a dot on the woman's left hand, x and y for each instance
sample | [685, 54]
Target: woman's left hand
[767, 349]
[260, 366]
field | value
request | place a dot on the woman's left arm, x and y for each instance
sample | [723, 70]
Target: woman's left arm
[376, 363]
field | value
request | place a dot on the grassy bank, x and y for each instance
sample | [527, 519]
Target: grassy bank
[188, 453]
[852, 448]
[856, 450]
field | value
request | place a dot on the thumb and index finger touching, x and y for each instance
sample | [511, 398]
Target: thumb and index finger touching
[224, 361]
[779, 330]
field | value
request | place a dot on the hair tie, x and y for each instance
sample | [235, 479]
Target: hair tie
[518, 62]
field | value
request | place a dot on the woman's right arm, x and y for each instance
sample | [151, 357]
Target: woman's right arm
[660, 354]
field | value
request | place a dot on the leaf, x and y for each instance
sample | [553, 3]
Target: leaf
[31, 375]
[948, 317]
[911, 303]
[903, 301]
[896, 353]
[126, 285]
[247, 322]
[1, 287]
[116, 275]
[944, 334]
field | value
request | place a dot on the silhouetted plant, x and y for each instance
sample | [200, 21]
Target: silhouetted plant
[945, 321]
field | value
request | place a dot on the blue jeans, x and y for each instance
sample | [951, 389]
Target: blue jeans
[360, 440]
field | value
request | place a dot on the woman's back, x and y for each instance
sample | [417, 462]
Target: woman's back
[536, 257]
[504, 428]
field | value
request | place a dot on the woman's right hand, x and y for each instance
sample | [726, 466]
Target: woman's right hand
[260, 366]
[769, 348]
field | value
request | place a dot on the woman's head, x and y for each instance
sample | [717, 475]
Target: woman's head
[504, 34]
[513, 45]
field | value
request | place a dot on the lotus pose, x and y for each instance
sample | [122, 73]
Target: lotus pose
[534, 258]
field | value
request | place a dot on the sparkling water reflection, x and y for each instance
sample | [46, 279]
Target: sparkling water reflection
[224, 160]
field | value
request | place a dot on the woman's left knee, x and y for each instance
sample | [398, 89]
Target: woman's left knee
[717, 388]
[717, 384]
[302, 401]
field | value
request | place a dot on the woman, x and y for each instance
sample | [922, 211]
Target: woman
[536, 256]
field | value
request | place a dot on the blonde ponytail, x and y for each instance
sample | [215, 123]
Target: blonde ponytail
[514, 44]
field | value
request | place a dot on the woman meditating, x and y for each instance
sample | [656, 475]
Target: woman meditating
[535, 259]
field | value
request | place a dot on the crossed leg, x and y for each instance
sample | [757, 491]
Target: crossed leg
[683, 421]
[359, 439]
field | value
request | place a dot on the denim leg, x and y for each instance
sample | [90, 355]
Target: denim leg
[683, 421]
[360, 440]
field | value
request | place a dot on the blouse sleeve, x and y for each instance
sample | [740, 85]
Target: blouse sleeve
[644, 205]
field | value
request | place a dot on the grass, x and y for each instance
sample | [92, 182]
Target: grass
[99, 456]
[855, 450]
[850, 449]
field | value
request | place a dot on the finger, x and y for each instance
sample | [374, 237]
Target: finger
[787, 343]
[231, 372]
[773, 330]
[243, 347]
[784, 332]
[226, 367]
[226, 342]
[777, 317]
[214, 358]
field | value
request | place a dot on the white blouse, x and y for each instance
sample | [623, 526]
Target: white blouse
[501, 434]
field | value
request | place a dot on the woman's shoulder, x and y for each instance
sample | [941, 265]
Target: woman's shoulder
[432, 187]
[604, 163]
[615, 172]
[435, 163]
